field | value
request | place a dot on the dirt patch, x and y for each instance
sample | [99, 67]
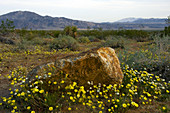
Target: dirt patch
[4, 91]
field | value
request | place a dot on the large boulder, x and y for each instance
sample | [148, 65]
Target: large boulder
[98, 65]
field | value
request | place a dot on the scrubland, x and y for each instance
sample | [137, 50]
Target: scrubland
[144, 58]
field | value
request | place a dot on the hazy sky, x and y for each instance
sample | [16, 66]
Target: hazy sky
[91, 10]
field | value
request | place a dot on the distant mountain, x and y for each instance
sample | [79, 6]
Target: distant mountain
[31, 20]
[142, 20]
[128, 20]
[150, 20]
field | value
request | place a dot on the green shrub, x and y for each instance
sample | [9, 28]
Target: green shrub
[114, 42]
[154, 58]
[1, 58]
[22, 45]
[30, 36]
[94, 39]
[83, 40]
[37, 41]
[162, 43]
[6, 26]
[64, 42]
[167, 31]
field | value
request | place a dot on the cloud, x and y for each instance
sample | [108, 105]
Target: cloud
[91, 10]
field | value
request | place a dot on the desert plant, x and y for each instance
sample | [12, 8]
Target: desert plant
[167, 31]
[154, 58]
[6, 26]
[22, 45]
[83, 40]
[114, 42]
[37, 41]
[93, 39]
[64, 42]
[70, 31]
[53, 91]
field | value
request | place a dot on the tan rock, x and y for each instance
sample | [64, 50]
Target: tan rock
[100, 66]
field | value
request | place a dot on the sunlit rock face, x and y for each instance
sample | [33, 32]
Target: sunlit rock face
[99, 65]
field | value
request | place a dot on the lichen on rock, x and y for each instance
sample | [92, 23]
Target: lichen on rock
[100, 66]
[97, 65]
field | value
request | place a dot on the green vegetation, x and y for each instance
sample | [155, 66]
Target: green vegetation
[144, 58]
[167, 29]
[154, 58]
[63, 42]
[71, 31]
[115, 42]
[84, 39]
[6, 27]
[51, 93]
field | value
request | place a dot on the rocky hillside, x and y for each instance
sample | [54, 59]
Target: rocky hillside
[31, 20]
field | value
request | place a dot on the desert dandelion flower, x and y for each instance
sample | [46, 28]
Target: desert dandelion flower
[50, 108]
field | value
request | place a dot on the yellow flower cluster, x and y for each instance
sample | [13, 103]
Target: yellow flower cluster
[55, 92]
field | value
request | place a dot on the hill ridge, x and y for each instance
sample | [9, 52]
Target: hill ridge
[32, 20]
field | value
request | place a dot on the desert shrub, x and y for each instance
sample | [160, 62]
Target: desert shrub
[154, 58]
[94, 39]
[64, 42]
[37, 41]
[30, 36]
[6, 26]
[22, 45]
[114, 42]
[22, 32]
[162, 43]
[6, 40]
[138, 35]
[47, 41]
[167, 31]
[83, 39]
[48, 36]
[56, 33]
[1, 58]
[70, 31]
[25, 44]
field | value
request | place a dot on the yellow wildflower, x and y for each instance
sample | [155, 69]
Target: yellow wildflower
[109, 110]
[69, 108]
[50, 108]
[15, 107]
[124, 105]
[41, 91]
[164, 108]
[49, 74]
[54, 82]
[22, 94]
[62, 81]
[28, 107]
